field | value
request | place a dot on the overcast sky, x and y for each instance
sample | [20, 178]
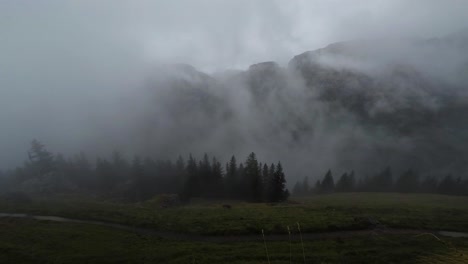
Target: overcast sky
[60, 56]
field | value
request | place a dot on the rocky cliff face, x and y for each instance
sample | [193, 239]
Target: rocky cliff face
[352, 105]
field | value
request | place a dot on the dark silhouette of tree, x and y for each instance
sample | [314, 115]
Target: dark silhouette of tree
[180, 173]
[318, 187]
[216, 181]
[82, 172]
[328, 184]
[341, 183]
[191, 186]
[351, 182]
[266, 181]
[383, 181]
[407, 182]
[302, 188]
[142, 179]
[429, 185]
[242, 185]
[447, 185]
[346, 183]
[205, 175]
[253, 178]
[120, 167]
[41, 160]
[305, 185]
[140, 185]
[278, 191]
[232, 181]
[106, 179]
[269, 189]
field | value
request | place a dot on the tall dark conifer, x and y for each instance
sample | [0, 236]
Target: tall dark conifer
[278, 189]
[253, 178]
[328, 184]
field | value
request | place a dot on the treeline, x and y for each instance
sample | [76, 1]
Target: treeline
[408, 182]
[142, 179]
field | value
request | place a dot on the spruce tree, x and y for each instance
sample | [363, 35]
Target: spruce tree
[447, 185]
[140, 186]
[328, 184]
[41, 160]
[318, 187]
[408, 182]
[266, 181]
[342, 184]
[106, 180]
[383, 181]
[231, 183]
[305, 186]
[216, 181]
[253, 178]
[429, 185]
[191, 185]
[278, 189]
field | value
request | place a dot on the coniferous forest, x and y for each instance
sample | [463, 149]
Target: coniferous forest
[410, 181]
[140, 179]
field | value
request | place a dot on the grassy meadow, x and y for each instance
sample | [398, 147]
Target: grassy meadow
[315, 214]
[32, 241]
[29, 241]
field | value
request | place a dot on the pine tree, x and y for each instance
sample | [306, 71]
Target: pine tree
[106, 180]
[407, 182]
[346, 183]
[351, 182]
[383, 181]
[429, 185]
[305, 186]
[266, 181]
[82, 172]
[140, 187]
[278, 189]
[180, 164]
[328, 184]
[318, 187]
[447, 185]
[191, 184]
[41, 160]
[206, 177]
[302, 188]
[120, 167]
[231, 178]
[180, 173]
[253, 178]
[342, 184]
[242, 186]
[216, 182]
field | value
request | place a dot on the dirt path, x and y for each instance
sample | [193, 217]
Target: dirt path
[240, 238]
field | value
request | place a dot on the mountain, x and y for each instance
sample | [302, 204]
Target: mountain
[358, 105]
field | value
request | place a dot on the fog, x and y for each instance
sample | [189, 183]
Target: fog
[113, 75]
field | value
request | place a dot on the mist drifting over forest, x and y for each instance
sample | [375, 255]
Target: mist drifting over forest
[315, 84]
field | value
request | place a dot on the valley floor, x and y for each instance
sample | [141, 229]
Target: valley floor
[338, 228]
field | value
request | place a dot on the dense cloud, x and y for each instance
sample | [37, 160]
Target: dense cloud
[97, 76]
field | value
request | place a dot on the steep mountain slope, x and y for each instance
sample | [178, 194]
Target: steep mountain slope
[356, 105]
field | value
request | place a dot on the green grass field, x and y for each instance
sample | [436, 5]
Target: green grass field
[317, 213]
[32, 241]
[29, 241]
